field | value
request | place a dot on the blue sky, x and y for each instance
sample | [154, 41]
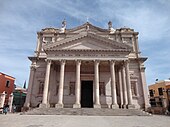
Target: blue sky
[21, 19]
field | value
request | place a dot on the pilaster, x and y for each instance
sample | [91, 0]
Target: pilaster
[31, 80]
[128, 85]
[10, 101]
[2, 99]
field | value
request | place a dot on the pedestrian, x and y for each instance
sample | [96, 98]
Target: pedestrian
[5, 109]
[14, 108]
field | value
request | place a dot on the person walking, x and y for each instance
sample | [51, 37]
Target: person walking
[14, 108]
[5, 109]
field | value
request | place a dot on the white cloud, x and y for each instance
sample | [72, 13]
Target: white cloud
[21, 20]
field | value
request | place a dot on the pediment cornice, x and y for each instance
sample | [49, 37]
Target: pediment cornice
[93, 50]
[90, 27]
[86, 35]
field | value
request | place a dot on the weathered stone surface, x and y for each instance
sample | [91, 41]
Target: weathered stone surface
[109, 58]
[86, 111]
[15, 120]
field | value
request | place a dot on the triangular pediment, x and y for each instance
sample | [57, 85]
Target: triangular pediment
[87, 44]
[86, 41]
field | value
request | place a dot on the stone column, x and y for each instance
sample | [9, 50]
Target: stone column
[96, 81]
[124, 87]
[10, 101]
[113, 85]
[120, 88]
[61, 85]
[31, 80]
[128, 85]
[77, 87]
[144, 87]
[46, 85]
[2, 99]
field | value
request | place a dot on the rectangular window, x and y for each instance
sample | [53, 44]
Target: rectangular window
[7, 83]
[160, 90]
[153, 102]
[168, 90]
[151, 93]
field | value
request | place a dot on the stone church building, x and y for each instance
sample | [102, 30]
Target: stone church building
[87, 67]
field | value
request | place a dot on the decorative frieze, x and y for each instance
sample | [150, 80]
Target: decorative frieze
[85, 55]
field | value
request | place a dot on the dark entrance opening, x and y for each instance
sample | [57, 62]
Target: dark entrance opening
[87, 94]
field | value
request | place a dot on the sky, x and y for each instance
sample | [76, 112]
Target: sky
[20, 20]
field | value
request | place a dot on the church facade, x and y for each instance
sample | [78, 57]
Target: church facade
[87, 67]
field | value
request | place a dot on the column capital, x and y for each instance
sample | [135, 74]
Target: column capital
[126, 61]
[96, 61]
[112, 61]
[39, 33]
[62, 62]
[48, 60]
[11, 94]
[78, 61]
[3, 93]
[136, 36]
[33, 67]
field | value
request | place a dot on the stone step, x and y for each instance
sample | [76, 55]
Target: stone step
[86, 111]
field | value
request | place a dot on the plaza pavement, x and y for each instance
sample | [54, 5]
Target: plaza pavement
[16, 120]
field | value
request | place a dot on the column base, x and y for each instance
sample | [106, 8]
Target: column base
[26, 104]
[44, 105]
[97, 106]
[124, 106]
[131, 106]
[121, 106]
[114, 106]
[76, 106]
[146, 107]
[59, 106]
[25, 109]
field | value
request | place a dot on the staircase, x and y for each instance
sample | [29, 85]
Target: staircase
[86, 112]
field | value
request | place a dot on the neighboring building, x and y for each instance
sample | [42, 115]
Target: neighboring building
[160, 94]
[6, 85]
[87, 66]
[19, 97]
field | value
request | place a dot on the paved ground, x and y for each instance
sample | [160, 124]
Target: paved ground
[16, 120]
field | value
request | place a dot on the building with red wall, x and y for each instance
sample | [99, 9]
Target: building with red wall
[6, 84]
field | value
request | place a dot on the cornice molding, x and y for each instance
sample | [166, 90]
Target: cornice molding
[86, 35]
